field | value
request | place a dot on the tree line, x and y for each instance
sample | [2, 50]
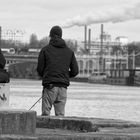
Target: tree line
[34, 42]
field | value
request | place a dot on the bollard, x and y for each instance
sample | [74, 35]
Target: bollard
[18, 122]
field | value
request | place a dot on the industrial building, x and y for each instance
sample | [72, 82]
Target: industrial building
[99, 55]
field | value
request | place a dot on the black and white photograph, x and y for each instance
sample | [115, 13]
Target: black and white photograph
[70, 70]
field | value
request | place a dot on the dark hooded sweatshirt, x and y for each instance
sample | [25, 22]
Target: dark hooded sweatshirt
[57, 63]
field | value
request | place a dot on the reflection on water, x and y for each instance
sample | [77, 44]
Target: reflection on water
[84, 100]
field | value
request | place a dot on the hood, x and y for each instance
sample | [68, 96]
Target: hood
[57, 42]
[56, 30]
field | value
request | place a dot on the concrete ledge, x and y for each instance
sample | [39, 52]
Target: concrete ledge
[71, 128]
[66, 123]
[17, 122]
[106, 123]
[82, 124]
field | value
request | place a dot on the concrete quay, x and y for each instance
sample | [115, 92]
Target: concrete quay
[76, 128]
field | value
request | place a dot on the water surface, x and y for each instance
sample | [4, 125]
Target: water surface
[84, 99]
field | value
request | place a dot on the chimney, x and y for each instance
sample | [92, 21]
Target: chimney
[85, 37]
[102, 31]
[101, 50]
[89, 40]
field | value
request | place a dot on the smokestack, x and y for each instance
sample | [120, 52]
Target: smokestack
[101, 50]
[85, 36]
[89, 40]
[102, 31]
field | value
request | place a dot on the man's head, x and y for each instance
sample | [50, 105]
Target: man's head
[56, 31]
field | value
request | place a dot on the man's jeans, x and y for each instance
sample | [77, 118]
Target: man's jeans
[55, 96]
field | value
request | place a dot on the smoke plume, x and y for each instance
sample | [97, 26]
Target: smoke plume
[105, 16]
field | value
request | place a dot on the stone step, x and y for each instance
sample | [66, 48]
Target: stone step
[76, 128]
[66, 123]
[82, 124]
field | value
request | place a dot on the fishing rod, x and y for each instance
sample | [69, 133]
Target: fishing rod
[35, 103]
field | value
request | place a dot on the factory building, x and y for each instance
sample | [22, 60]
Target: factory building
[99, 55]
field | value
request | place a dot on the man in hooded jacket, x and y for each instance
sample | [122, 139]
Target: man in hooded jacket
[56, 64]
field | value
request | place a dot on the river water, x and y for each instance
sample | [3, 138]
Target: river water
[84, 99]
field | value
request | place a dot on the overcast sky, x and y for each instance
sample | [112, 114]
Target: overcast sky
[120, 17]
